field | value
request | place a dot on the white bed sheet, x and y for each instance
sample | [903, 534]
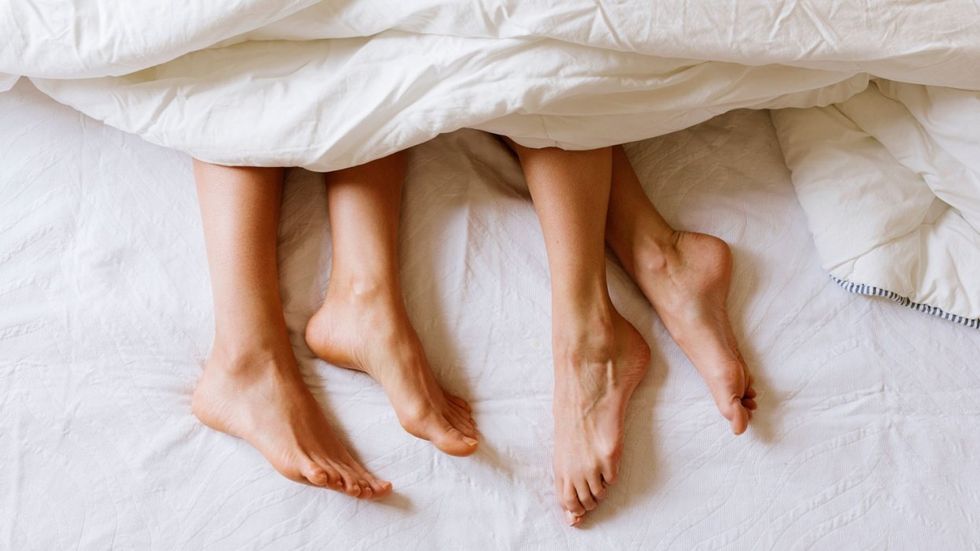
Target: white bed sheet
[866, 438]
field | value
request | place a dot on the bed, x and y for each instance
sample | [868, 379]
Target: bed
[866, 437]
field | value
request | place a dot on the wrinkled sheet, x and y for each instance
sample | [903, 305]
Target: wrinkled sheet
[869, 413]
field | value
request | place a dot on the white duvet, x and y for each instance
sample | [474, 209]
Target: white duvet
[875, 103]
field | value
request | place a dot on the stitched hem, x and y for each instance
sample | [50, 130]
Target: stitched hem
[872, 291]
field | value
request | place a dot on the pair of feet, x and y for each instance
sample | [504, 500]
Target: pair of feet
[687, 281]
[255, 390]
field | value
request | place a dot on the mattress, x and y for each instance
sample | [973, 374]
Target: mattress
[866, 436]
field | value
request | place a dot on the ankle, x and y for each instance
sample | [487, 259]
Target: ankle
[585, 336]
[241, 356]
[651, 254]
[357, 310]
[360, 289]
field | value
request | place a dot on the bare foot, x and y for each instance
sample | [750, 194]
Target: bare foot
[260, 397]
[369, 331]
[597, 368]
[687, 281]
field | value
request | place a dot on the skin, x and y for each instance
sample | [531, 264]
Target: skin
[582, 198]
[599, 358]
[686, 277]
[251, 386]
[363, 324]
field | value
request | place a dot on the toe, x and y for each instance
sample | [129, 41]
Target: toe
[572, 519]
[463, 422]
[338, 482]
[349, 482]
[460, 403]
[570, 501]
[739, 417]
[610, 470]
[319, 478]
[377, 487]
[314, 474]
[450, 440]
[330, 479]
[463, 412]
[335, 481]
[596, 486]
[585, 496]
[381, 488]
[436, 428]
[749, 404]
[727, 387]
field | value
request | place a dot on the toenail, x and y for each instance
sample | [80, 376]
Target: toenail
[470, 441]
[319, 478]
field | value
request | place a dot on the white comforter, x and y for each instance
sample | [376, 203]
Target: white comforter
[884, 157]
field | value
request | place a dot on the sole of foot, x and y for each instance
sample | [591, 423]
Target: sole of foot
[687, 281]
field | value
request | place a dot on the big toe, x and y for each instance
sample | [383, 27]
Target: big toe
[437, 429]
[450, 440]
[462, 421]
[728, 389]
[738, 415]
[317, 477]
